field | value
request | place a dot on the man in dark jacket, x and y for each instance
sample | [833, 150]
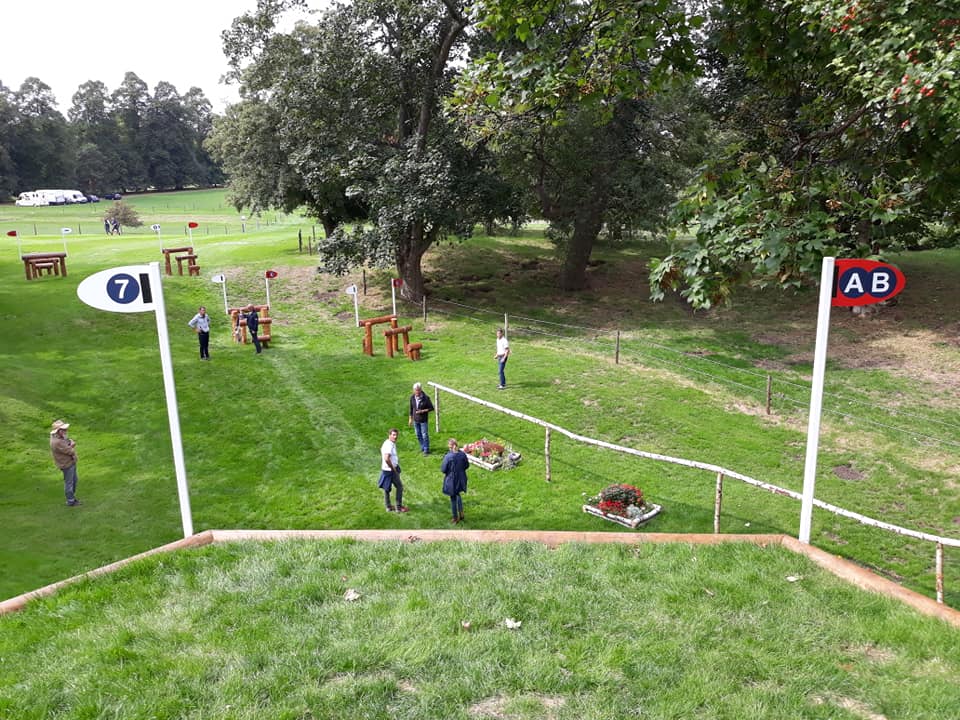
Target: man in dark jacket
[454, 468]
[253, 324]
[420, 408]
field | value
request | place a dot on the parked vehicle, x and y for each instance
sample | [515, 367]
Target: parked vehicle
[93, 198]
[62, 197]
[32, 198]
[112, 196]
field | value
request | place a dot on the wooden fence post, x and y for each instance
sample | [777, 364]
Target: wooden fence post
[769, 393]
[940, 573]
[616, 358]
[423, 301]
[546, 452]
[717, 502]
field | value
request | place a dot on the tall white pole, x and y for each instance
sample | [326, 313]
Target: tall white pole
[267, 281]
[356, 306]
[393, 293]
[166, 363]
[816, 399]
[226, 308]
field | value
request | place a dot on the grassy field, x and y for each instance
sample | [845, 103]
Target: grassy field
[250, 631]
[289, 439]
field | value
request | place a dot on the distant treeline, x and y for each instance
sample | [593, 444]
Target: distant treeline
[126, 140]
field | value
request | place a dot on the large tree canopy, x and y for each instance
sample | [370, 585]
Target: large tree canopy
[345, 116]
[841, 135]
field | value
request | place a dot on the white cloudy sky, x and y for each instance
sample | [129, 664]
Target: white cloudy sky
[65, 44]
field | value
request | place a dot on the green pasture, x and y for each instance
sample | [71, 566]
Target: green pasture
[249, 631]
[290, 438]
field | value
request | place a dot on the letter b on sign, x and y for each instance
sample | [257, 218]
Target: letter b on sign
[864, 282]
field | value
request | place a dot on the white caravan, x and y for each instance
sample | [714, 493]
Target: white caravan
[32, 198]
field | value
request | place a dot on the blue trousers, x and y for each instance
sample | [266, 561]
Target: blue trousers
[70, 483]
[502, 364]
[423, 435]
[456, 506]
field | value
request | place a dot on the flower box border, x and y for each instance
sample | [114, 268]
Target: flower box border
[500, 463]
[631, 523]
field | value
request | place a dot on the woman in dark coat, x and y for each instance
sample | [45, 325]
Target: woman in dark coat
[454, 468]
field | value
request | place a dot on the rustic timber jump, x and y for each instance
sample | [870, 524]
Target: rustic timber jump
[53, 263]
[180, 254]
[368, 330]
[238, 324]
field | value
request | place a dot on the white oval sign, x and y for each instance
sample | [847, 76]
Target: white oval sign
[155, 228]
[218, 278]
[121, 289]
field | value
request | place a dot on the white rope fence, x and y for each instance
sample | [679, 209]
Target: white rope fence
[721, 473]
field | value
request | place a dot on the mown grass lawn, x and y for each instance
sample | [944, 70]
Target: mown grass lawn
[253, 630]
[289, 439]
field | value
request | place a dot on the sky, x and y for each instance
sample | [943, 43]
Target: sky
[65, 44]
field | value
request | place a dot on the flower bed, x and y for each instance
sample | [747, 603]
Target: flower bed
[622, 504]
[490, 455]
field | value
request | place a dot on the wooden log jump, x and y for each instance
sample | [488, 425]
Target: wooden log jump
[412, 350]
[167, 252]
[391, 338]
[238, 324]
[368, 330]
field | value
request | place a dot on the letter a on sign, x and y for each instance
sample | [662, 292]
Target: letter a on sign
[865, 282]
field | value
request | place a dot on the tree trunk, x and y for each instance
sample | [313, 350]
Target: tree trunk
[586, 227]
[409, 255]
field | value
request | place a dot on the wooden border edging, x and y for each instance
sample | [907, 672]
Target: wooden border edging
[843, 569]
[17, 603]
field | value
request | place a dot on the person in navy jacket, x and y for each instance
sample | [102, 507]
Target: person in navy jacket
[454, 468]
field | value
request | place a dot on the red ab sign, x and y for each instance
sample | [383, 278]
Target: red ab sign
[864, 282]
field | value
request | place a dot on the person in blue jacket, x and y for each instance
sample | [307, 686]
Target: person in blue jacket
[454, 468]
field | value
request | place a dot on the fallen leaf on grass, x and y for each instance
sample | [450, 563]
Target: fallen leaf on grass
[351, 595]
[794, 578]
[512, 624]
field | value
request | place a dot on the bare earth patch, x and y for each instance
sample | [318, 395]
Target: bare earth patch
[496, 706]
[852, 706]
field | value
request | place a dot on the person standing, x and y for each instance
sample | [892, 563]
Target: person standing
[64, 451]
[201, 323]
[420, 409]
[503, 352]
[454, 468]
[390, 472]
[253, 325]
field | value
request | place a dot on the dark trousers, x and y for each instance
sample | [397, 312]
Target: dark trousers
[70, 484]
[204, 344]
[456, 506]
[256, 340]
[395, 481]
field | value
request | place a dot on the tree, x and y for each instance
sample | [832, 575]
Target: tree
[130, 102]
[568, 94]
[99, 164]
[356, 102]
[168, 141]
[124, 214]
[43, 148]
[9, 118]
[838, 137]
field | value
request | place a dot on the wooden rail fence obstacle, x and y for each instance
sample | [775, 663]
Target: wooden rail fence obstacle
[180, 254]
[368, 330]
[34, 264]
[238, 324]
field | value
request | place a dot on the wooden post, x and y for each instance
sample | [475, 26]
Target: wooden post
[423, 301]
[546, 452]
[436, 407]
[940, 573]
[505, 324]
[717, 503]
[364, 282]
[616, 358]
[769, 393]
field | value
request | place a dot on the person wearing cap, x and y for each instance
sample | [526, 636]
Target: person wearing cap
[64, 451]
[390, 472]
[201, 323]
[420, 408]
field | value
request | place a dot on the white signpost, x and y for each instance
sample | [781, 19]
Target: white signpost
[222, 280]
[267, 277]
[394, 284]
[63, 236]
[138, 288]
[352, 290]
[843, 283]
[156, 228]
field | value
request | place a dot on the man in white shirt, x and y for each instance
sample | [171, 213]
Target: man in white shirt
[390, 472]
[503, 352]
[201, 323]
